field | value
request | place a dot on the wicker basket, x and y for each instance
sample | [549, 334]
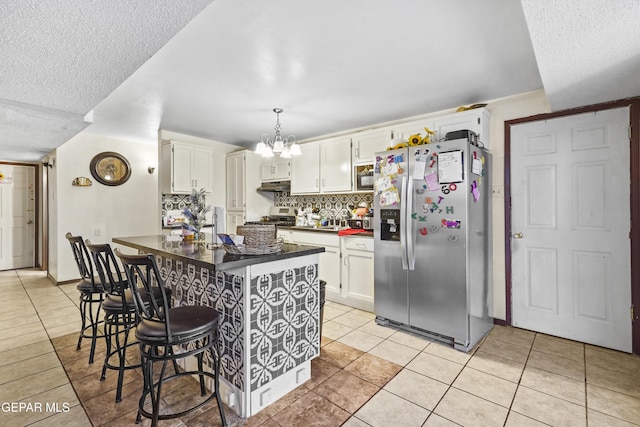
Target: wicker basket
[274, 247]
[257, 234]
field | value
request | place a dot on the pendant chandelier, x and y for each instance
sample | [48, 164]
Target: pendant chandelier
[284, 147]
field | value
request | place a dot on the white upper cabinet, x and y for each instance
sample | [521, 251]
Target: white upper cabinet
[323, 167]
[477, 120]
[305, 169]
[367, 143]
[275, 169]
[335, 165]
[405, 130]
[185, 166]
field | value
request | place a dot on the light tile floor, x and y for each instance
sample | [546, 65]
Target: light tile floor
[367, 375]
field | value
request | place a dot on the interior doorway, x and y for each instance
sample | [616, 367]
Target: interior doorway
[570, 221]
[567, 282]
[18, 216]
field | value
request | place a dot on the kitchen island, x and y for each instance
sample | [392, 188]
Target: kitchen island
[269, 306]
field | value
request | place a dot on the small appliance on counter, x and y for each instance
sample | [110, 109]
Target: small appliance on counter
[367, 221]
[357, 224]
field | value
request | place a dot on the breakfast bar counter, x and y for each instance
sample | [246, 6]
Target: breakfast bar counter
[269, 306]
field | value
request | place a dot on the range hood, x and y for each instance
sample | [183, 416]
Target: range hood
[275, 186]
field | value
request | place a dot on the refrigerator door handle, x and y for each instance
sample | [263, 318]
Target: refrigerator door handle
[411, 256]
[403, 223]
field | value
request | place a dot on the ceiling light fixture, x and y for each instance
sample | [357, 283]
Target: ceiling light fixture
[284, 147]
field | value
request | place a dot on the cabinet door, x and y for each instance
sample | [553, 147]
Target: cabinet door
[366, 144]
[476, 120]
[266, 169]
[329, 269]
[335, 161]
[275, 169]
[281, 170]
[201, 171]
[405, 130]
[305, 169]
[233, 219]
[357, 276]
[181, 168]
[235, 182]
[357, 271]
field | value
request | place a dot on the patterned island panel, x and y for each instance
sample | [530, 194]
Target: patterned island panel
[283, 316]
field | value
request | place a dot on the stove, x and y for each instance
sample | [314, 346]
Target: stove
[283, 216]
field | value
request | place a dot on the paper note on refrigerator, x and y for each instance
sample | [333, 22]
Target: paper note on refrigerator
[390, 197]
[450, 167]
[419, 168]
[390, 169]
[476, 166]
[383, 184]
[432, 181]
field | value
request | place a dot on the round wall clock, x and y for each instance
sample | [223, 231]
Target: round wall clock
[110, 168]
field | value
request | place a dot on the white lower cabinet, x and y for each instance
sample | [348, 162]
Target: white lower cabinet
[357, 271]
[346, 265]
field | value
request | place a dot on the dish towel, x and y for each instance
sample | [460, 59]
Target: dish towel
[349, 231]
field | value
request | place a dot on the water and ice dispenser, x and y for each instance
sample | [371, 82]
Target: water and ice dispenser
[390, 224]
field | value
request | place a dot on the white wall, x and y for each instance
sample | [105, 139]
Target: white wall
[130, 209]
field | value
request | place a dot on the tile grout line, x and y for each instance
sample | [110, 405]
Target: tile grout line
[81, 404]
[519, 381]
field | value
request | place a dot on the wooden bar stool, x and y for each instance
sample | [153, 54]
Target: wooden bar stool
[193, 330]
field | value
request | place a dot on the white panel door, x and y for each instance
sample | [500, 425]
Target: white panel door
[570, 216]
[17, 228]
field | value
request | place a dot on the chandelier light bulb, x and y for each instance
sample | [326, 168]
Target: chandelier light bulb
[284, 147]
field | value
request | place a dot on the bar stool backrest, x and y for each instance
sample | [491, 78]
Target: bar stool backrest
[108, 269]
[142, 273]
[83, 260]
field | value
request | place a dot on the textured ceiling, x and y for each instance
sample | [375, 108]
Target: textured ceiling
[332, 65]
[588, 51]
[60, 58]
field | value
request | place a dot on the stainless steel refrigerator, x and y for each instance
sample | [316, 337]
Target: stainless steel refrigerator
[433, 241]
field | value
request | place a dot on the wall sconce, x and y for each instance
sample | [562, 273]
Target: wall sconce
[81, 181]
[151, 169]
[49, 162]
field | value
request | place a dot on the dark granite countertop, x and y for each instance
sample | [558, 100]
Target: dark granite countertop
[215, 259]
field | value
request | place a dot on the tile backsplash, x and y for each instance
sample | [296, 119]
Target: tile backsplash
[333, 207]
[174, 202]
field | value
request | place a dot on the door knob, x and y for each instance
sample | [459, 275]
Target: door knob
[518, 235]
[29, 222]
